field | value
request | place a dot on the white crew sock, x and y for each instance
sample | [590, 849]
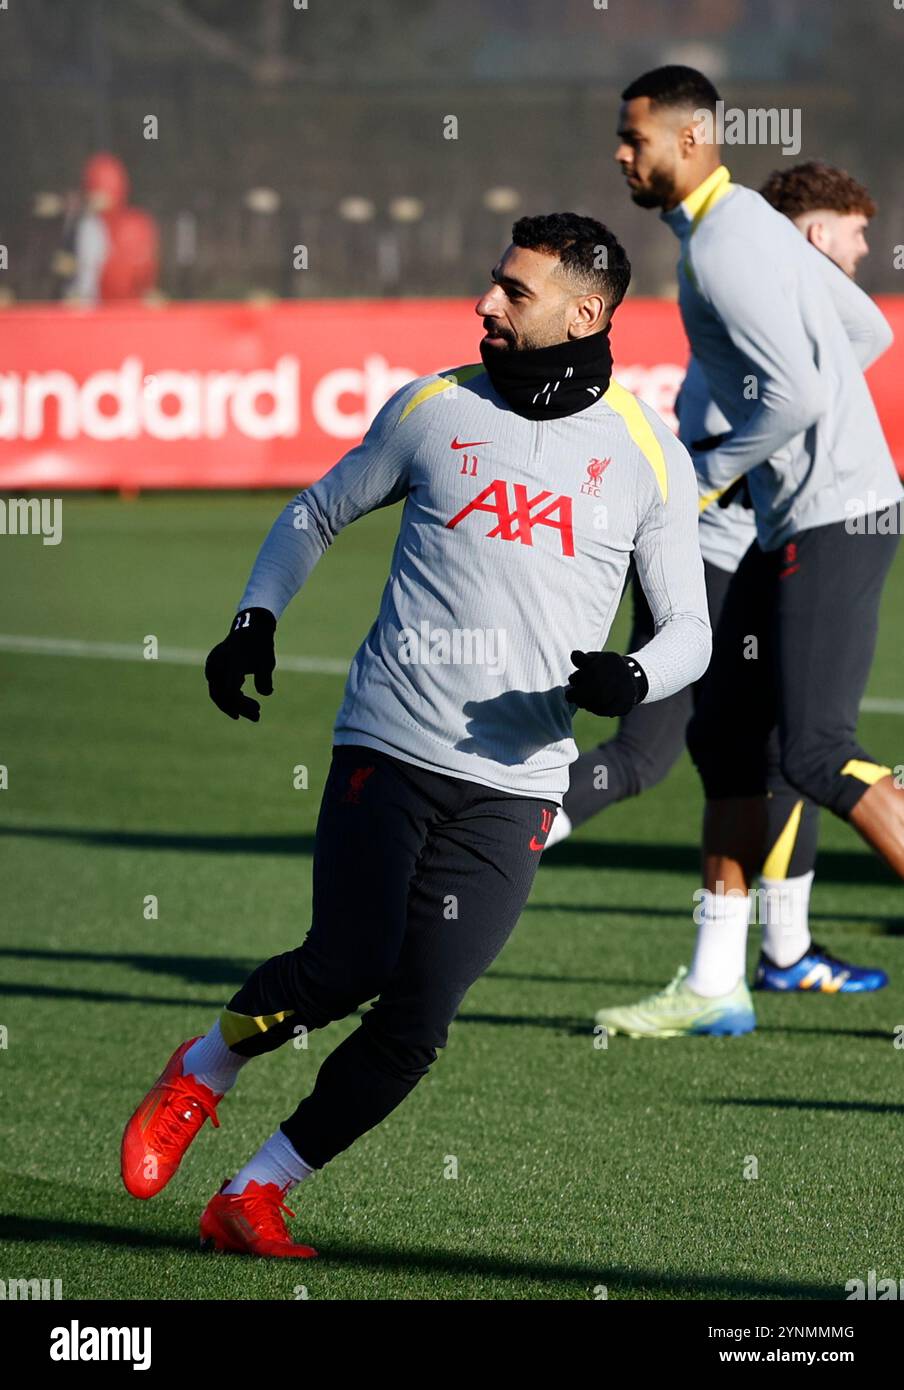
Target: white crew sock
[786, 916]
[720, 953]
[212, 1063]
[275, 1161]
[561, 829]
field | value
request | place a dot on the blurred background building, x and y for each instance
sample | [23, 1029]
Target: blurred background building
[297, 148]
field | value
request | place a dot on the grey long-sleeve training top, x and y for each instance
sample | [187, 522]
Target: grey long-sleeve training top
[773, 336]
[514, 541]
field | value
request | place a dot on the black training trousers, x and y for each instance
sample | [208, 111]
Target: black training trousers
[795, 644]
[419, 879]
[651, 739]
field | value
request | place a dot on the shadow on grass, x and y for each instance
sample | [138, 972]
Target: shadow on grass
[638, 856]
[33, 1229]
[608, 912]
[834, 866]
[867, 1034]
[166, 840]
[535, 978]
[862, 1107]
[568, 1025]
[618, 1278]
[99, 996]
[225, 972]
[229, 973]
[195, 970]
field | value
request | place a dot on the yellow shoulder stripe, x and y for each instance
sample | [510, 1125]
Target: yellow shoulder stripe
[443, 383]
[641, 431]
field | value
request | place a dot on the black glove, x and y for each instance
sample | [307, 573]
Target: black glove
[738, 492]
[247, 651]
[710, 441]
[606, 683]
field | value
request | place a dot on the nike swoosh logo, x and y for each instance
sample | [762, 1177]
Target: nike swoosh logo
[469, 444]
[535, 843]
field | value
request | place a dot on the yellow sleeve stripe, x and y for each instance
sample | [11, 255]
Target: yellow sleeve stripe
[443, 383]
[237, 1027]
[708, 498]
[864, 771]
[779, 857]
[641, 431]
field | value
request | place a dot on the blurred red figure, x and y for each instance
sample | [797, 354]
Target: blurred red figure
[116, 247]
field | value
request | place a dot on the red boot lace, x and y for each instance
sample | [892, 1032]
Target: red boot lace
[264, 1208]
[183, 1105]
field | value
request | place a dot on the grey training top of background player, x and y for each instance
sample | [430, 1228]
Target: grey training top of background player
[782, 336]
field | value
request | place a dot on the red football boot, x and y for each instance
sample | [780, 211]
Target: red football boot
[163, 1126]
[251, 1223]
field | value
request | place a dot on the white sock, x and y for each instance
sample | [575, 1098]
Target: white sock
[212, 1063]
[561, 829]
[786, 915]
[721, 949]
[275, 1161]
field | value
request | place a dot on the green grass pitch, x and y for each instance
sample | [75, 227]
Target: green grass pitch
[578, 1167]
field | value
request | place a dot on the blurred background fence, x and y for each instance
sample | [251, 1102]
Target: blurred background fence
[281, 125]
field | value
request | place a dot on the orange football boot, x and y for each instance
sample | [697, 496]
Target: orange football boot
[163, 1126]
[251, 1223]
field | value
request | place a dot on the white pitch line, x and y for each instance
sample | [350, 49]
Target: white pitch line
[185, 656]
[172, 656]
[874, 705]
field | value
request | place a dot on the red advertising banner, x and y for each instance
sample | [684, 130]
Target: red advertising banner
[234, 395]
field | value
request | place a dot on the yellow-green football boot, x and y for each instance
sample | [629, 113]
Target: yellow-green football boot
[677, 1012]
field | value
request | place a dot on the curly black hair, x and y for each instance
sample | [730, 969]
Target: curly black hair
[588, 251]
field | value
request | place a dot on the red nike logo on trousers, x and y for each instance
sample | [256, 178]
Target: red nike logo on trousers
[546, 819]
[469, 444]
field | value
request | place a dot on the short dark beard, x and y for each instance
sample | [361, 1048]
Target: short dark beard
[656, 194]
[513, 343]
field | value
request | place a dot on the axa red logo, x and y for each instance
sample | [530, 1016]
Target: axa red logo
[517, 513]
[356, 784]
[595, 470]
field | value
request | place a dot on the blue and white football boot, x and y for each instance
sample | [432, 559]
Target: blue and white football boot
[820, 972]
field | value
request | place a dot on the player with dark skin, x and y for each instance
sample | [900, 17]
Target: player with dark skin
[663, 157]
